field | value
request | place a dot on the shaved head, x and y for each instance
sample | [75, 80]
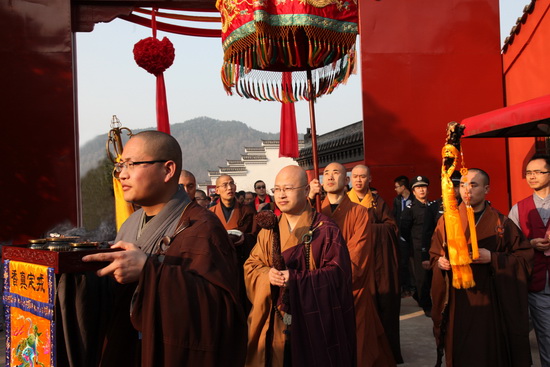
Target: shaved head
[339, 166]
[189, 183]
[361, 167]
[185, 173]
[360, 179]
[298, 172]
[292, 189]
[335, 179]
[223, 178]
[161, 146]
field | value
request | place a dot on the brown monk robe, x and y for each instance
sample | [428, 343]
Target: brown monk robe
[242, 219]
[186, 305]
[353, 220]
[486, 325]
[235, 216]
[373, 348]
[384, 263]
[179, 256]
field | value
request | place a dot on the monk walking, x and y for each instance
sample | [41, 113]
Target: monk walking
[298, 278]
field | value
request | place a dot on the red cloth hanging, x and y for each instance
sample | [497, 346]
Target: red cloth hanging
[163, 123]
[288, 145]
[156, 56]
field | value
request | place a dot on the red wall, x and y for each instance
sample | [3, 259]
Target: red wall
[425, 63]
[38, 183]
[527, 76]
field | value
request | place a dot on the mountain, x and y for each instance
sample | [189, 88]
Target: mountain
[206, 144]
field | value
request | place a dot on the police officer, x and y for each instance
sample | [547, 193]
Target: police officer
[413, 230]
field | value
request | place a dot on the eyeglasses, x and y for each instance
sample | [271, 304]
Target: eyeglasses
[260, 187]
[277, 190]
[225, 185]
[535, 173]
[129, 165]
[200, 199]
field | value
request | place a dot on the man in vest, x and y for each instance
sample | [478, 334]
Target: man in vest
[531, 215]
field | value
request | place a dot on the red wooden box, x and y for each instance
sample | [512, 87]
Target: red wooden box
[61, 261]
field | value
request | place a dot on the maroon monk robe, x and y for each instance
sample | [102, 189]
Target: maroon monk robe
[320, 296]
[187, 306]
[486, 325]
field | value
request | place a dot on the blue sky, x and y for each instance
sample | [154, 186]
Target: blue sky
[110, 83]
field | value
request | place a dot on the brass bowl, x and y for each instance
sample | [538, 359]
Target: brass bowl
[86, 245]
[63, 239]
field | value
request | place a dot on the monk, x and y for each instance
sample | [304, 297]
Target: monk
[189, 183]
[298, 278]
[352, 219]
[486, 325]
[384, 263]
[236, 217]
[186, 303]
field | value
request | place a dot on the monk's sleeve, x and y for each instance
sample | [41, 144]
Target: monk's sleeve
[186, 304]
[359, 250]
[439, 281]
[322, 307]
[437, 249]
[258, 290]
[512, 268]
[383, 225]
[515, 256]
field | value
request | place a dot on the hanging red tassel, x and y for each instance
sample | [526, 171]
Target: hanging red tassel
[163, 123]
[156, 56]
[288, 146]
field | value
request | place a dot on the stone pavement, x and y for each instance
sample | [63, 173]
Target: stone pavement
[417, 342]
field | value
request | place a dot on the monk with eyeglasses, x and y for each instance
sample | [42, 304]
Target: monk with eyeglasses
[177, 266]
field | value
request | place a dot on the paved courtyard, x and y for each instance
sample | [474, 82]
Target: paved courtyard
[417, 342]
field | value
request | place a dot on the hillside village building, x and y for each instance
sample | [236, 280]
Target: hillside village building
[257, 163]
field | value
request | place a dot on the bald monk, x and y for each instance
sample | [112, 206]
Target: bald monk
[383, 240]
[189, 183]
[352, 219]
[235, 216]
[298, 277]
[178, 255]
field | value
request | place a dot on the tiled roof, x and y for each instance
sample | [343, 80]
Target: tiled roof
[528, 9]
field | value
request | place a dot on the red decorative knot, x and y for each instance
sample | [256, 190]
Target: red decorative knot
[153, 55]
[266, 219]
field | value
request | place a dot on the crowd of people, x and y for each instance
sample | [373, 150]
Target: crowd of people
[259, 280]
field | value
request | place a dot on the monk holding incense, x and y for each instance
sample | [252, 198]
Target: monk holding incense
[177, 262]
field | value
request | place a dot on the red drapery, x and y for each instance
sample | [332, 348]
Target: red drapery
[289, 135]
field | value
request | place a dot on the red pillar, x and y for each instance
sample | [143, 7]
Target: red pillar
[425, 63]
[39, 179]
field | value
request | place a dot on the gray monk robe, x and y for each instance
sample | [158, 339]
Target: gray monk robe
[186, 304]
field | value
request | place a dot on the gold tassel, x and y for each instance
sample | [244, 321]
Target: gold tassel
[457, 245]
